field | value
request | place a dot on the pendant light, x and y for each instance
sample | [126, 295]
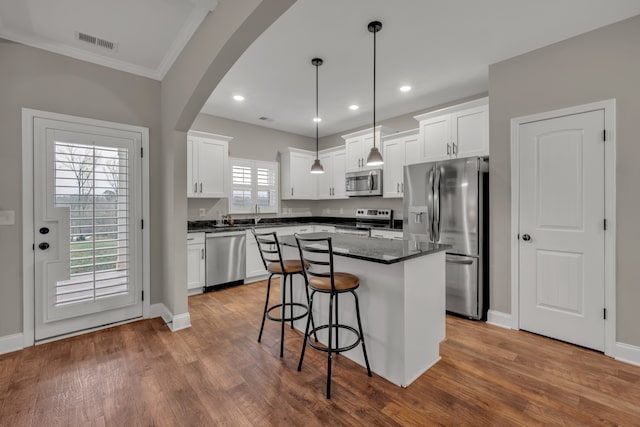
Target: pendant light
[374, 158]
[317, 166]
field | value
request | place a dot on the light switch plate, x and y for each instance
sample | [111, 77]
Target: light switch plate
[7, 217]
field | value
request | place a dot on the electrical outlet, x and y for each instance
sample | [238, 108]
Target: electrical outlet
[203, 212]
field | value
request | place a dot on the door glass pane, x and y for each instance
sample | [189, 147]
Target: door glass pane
[93, 183]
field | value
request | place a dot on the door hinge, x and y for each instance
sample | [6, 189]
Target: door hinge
[142, 295]
[142, 223]
[33, 247]
[604, 313]
[518, 236]
[604, 134]
[141, 151]
[604, 222]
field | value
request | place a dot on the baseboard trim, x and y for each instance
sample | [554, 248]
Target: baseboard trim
[180, 321]
[628, 353]
[173, 322]
[11, 343]
[498, 318]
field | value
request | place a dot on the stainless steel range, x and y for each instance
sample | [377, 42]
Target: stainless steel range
[366, 219]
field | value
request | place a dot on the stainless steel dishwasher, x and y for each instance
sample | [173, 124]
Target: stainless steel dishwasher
[226, 257]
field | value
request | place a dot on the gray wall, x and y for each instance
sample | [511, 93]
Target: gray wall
[599, 65]
[37, 79]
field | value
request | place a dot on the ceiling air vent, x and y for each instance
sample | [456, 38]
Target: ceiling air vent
[88, 38]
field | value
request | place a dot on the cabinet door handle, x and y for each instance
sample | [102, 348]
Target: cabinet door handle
[448, 149]
[201, 187]
[195, 187]
[402, 187]
[397, 187]
[455, 149]
[201, 253]
[292, 191]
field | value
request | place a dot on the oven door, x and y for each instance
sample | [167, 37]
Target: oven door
[364, 183]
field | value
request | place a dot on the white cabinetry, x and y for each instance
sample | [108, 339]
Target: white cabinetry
[195, 262]
[455, 132]
[400, 149]
[331, 184]
[207, 165]
[296, 179]
[358, 145]
[386, 234]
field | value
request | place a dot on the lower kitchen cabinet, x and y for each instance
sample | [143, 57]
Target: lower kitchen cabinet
[195, 262]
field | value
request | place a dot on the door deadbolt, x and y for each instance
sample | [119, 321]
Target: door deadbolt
[526, 237]
[44, 230]
[43, 245]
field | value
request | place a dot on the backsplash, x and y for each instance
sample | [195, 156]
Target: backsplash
[214, 209]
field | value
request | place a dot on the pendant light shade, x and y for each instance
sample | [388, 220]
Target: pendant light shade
[374, 158]
[317, 166]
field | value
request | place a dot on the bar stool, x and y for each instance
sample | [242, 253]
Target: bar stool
[272, 259]
[316, 254]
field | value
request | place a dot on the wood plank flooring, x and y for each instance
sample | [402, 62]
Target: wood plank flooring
[216, 373]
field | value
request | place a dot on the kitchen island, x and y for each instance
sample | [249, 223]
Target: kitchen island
[402, 301]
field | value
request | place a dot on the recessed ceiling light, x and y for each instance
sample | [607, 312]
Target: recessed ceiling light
[353, 107]
[405, 88]
[238, 97]
[317, 119]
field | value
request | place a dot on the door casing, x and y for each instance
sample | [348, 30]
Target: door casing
[28, 265]
[609, 107]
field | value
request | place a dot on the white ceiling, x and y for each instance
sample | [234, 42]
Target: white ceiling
[150, 34]
[441, 48]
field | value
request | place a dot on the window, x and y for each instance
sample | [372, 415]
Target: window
[254, 186]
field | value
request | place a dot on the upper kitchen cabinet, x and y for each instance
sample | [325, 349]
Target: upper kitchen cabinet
[331, 184]
[296, 180]
[455, 132]
[358, 145]
[399, 150]
[207, 165]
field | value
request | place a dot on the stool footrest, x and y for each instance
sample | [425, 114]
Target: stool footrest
[283, 307]
[335, 327]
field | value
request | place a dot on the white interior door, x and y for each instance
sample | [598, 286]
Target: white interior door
[88, 238]
[562, 237]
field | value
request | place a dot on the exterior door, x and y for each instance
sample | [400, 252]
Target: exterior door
[562, 238]
[88, 238]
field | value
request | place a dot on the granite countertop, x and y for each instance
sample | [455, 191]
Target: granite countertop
[383, 251]
[247, 224]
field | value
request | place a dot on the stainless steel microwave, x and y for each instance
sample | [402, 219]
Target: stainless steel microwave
[364, 183]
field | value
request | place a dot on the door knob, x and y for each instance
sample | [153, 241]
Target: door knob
[526, 237]
[43, 245]
[44, 230]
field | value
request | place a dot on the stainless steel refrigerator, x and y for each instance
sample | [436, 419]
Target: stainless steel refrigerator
[447, 202]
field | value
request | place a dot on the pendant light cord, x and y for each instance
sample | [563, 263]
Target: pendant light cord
[374, 86]
[317, 117]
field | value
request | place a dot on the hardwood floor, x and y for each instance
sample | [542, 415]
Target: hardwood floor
[216, 373]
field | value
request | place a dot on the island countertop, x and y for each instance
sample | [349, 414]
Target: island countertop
[383, 251]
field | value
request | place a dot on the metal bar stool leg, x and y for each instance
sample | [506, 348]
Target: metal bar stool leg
[283, 285]
[306, 331]
[337, 323]
[364, 349]
[329, 354]
[291, 298]
[306, 288]
[266, 306]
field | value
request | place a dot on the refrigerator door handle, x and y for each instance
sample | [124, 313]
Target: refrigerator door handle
[370, 181]
[436, 206]
[430, 205]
